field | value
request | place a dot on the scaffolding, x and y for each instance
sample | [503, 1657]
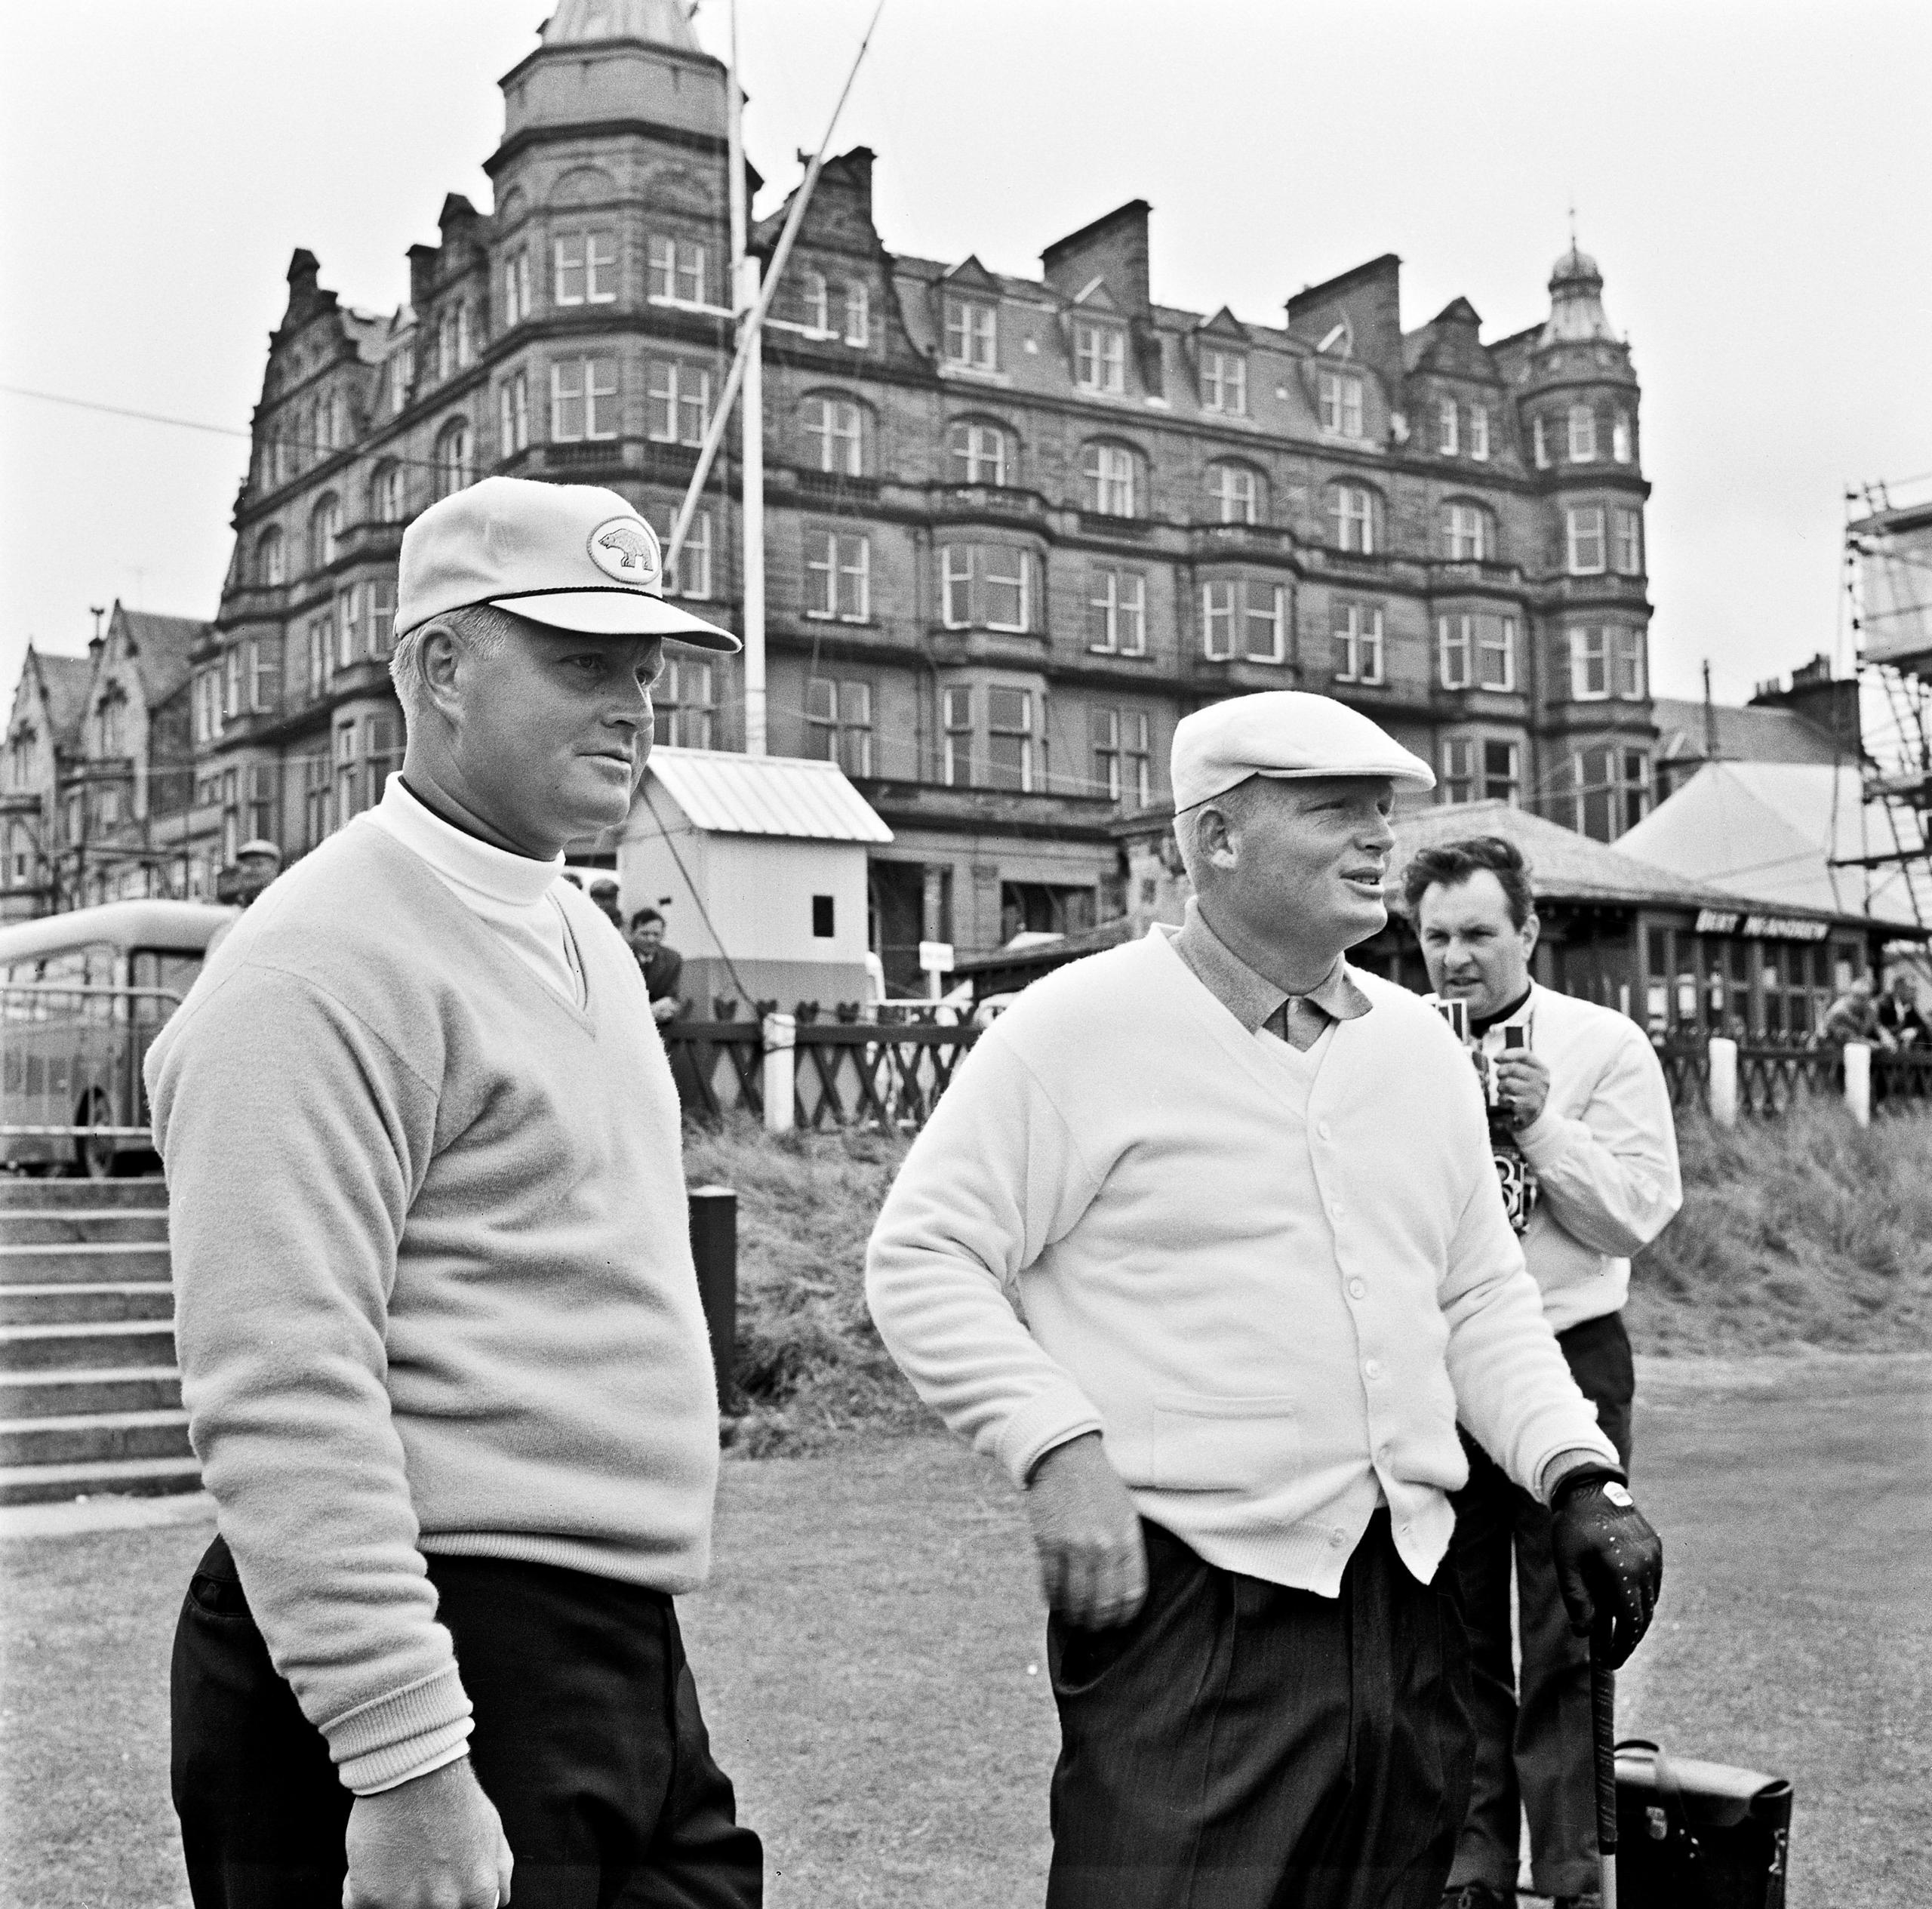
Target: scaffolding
[1888, 593]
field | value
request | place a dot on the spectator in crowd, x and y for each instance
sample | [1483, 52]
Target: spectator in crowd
[257, 863]
[603, 899]
[1854, 1016]
[1204, 1244]
[661, 965]
[442, 1346]
[1585, 1142]
[1898, 1014]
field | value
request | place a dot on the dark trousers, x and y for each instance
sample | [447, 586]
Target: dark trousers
[1243, 1746]
[1533, 1745]
[586, 1738]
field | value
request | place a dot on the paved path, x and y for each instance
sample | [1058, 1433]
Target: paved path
[869, 1654]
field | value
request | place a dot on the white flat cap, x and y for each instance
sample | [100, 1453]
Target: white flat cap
[574, 556]
[1283, 733]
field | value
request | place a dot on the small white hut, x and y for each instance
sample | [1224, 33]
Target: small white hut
[758, 864]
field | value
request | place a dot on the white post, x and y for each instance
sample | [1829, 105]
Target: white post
[781, 1034]
[752, 513]
[1858, 1080]
[1723, 1081]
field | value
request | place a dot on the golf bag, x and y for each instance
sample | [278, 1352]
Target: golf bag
[1698, 1836]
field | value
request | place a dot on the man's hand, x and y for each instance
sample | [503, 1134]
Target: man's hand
[1523, 1083]
[434, 1842]
[664, 1010]
[1092, 1560]
[1609, 1562]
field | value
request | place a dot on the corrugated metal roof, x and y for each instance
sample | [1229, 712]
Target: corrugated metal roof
[725, 793]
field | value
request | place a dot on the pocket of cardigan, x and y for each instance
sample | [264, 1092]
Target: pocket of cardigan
[1208, 1441]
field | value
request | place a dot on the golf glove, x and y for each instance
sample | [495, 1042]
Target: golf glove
[1609, 1561]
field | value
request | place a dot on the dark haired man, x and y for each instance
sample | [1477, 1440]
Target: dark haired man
[1590, 1113]
[661, 965]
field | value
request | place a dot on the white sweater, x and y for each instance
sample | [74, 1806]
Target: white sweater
[1604, 1148]
[1272, 1293]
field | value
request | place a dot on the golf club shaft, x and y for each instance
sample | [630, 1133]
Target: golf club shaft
[1603, 1716]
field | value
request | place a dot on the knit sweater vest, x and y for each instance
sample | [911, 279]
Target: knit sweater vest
[1273, 1296]
[434, 1288]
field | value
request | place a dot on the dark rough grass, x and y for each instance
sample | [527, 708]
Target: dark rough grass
[810, 1364]
[1806, 1230]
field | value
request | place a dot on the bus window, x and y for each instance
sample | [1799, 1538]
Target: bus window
[172, 970]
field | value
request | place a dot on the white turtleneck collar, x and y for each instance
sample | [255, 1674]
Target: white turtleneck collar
[513, 894]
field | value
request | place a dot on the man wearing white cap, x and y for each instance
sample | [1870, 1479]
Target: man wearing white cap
[1204, 1245]
[441, 1343]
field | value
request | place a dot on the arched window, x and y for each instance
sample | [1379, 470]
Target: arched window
[1113, 485]
[981, 451]
[1354, 518]
[271, 558]
[1468, 532]
[386, 494]
[455, 467]
[835, 429]
[1237, 493]
[325, 532]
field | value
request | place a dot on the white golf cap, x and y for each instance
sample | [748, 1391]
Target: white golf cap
[574, 556]
[1285, 734]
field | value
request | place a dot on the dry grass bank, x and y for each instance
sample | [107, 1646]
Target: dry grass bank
[1799, 1233]
[1803, 1231]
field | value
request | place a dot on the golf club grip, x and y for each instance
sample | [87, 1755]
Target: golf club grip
[1603, 1718]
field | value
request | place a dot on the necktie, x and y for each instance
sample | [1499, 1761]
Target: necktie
[1299, 1021]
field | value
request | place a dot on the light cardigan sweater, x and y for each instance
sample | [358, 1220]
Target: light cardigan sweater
[434, 1289]
[1130, 1215]
[1605, 1149]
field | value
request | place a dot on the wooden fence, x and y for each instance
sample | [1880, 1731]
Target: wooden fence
[1772, 1077]
[841, 1074]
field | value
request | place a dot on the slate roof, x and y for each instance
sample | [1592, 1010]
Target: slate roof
[1750, 734]
[66, 679]
[161, 646]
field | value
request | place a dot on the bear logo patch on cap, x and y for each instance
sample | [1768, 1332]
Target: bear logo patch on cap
[626, 548]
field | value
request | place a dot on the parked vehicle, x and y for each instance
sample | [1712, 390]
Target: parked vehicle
[82, 996]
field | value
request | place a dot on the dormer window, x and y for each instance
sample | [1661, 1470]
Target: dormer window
[1341, 395]
[858, 317]
[1479, 433]
[1446, 438]
[1099, 357]
[814, 301]
[972, 335]
[1620, 438]
[1224, 382]
[1540, 442]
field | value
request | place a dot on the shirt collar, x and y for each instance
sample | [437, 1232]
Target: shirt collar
[514, 881]
[1251, 997]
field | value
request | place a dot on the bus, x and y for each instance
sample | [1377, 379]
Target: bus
[82, 996]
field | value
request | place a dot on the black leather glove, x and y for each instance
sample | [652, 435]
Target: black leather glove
[1609, 1562]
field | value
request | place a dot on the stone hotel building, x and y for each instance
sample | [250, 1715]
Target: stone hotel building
[1016, 527]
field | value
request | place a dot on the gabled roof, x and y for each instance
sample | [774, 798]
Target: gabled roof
[722, 793]
[1563, 865]
[1754, 734]
[65, 679]
[161, 646]
[1223, 325]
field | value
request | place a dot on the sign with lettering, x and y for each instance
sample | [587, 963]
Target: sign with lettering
[1717, 921]
[1783, 927]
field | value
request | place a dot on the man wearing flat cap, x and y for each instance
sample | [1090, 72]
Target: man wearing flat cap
[1204, 1245]
[441, 1343]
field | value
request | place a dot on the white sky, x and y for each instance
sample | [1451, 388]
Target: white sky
[1753, 180]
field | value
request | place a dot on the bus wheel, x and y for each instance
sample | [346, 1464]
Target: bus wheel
[93, 1154]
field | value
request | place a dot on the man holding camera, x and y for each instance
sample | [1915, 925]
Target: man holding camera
[1203, 1244]
[1582, 1129]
